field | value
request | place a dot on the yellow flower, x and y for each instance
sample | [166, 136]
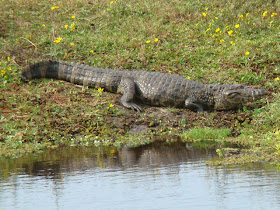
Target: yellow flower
[247, 14]
[206, 9]
[276, 79]
[264, 14]
[156, 40]
[66, 27]
[91, 51]
[210, 24]
[197, 24]
[148, 41]
[241, 16]
[111, 2]
[204, 14]
[247, 53]
[57, 40]
[273, 14]
[55, 7]
[188, 77]
[170, 72]
[230, 32]
[9, 58]
[107, 10]
[236, 26]
[271, 22]
[218, 29]
[9, 68]
[73, 27]
[208, 29]
[71, 43]
[3, 72]
[43, 25]
[111, 105]
[221, 41]
[216, 18]
[73, 16]
[232, 43]
[100, 90]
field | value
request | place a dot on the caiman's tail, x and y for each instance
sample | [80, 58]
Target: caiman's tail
[43, 69]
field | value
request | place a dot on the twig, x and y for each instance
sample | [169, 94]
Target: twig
[29, 42]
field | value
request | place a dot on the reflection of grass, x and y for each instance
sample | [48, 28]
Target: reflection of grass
[212, 41]
[204, 144]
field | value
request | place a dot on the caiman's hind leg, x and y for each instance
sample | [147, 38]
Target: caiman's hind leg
[128, 89]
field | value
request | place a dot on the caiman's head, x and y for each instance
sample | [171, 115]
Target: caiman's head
[223, 97]
[233, 96]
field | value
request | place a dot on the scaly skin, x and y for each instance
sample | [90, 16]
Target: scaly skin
[151, 88]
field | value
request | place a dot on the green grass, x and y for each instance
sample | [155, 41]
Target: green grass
[206, 134]
[209, 41]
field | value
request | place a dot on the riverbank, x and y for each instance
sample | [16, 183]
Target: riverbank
[210, 42]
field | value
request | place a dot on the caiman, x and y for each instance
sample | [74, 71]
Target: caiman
[152, 88]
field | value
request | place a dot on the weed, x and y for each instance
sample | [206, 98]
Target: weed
[220, 153]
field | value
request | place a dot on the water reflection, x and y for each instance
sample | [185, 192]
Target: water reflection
[70, 159]
[158, 176]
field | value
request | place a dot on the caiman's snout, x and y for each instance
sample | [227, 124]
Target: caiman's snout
[257, 94]
[245, 95]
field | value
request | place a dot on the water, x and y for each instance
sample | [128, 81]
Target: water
[156, 177]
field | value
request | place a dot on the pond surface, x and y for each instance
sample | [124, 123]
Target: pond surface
[154, 177]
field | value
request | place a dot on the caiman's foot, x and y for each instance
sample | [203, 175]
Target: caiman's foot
[132, 106]
[128, 87]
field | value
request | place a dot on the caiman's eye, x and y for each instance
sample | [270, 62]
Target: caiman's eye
[233, 94]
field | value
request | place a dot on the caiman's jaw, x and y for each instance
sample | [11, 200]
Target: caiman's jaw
[235, 96]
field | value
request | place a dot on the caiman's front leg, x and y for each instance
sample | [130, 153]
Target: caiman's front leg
[192, 105]
[128, 89]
